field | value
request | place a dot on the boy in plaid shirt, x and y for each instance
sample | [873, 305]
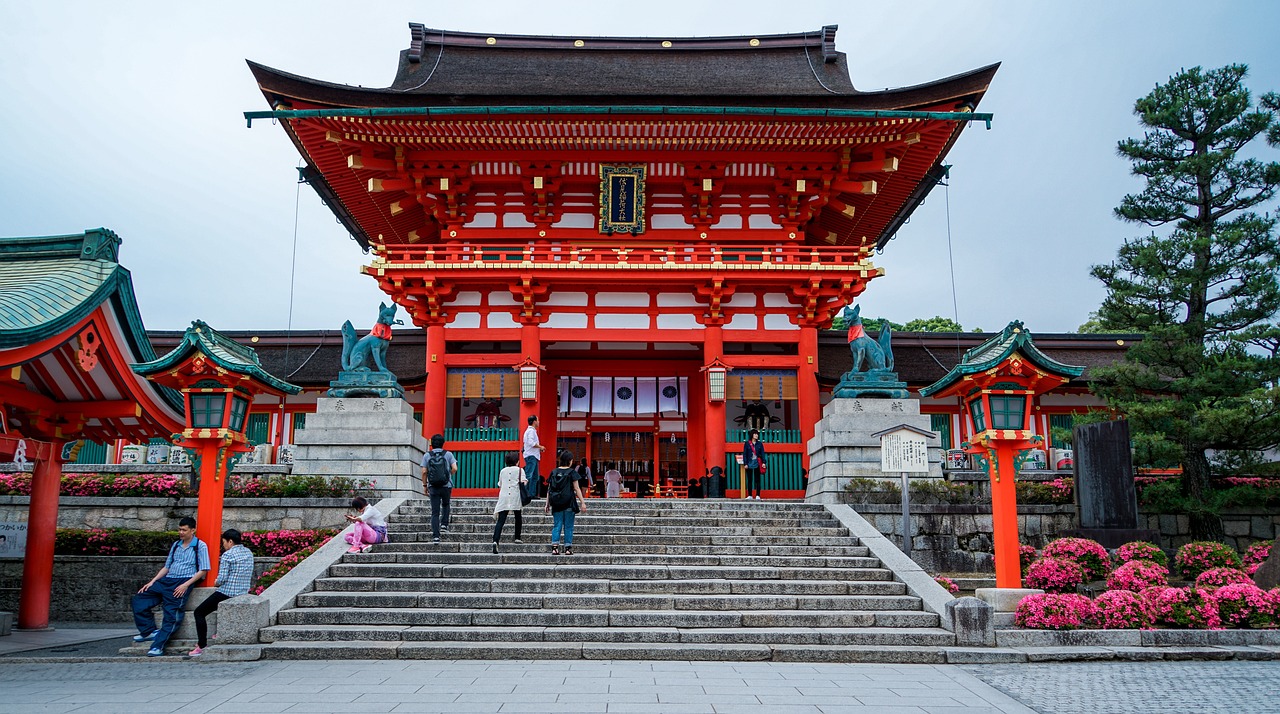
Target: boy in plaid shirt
[235, 575]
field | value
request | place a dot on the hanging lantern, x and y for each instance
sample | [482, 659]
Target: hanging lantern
[637, 437]
[608, 437]
[673, 437]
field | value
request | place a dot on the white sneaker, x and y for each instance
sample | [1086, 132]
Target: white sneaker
[366, 549]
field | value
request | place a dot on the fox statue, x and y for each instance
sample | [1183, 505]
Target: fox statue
[366, 353]
[878, 354]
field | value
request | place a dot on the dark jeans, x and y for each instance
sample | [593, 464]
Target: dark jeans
[202, 611]
[440, 498]
[753, 481]
[502, 520]
[160, 593]
[531, 474]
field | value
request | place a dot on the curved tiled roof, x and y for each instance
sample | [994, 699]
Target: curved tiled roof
[224, 351]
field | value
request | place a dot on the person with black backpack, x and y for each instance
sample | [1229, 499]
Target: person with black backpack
[438, 468]
[564, 500]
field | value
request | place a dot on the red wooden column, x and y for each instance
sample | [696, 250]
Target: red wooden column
[807, 388]
[531, 352]
[436, 387]
[213, 474]
[1004, 516]
[714, 414]
[548, 424]
[42, 525]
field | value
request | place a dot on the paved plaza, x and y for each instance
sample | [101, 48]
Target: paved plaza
[641, 687]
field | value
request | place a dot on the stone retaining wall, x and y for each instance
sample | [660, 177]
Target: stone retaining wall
[957, 538]
[93, 588]
[162, 514]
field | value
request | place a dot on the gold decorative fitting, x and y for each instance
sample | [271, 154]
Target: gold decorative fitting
[1120, 342]
[453, 234]
[253, 339]
[666, 43]
[704, 235]
[579, 43]
[542, 234]
[754, 42]
[491, 41]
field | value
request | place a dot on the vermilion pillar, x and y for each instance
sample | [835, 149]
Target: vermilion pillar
[1004, 517]
[435, 388]
[807, 388]
[209, 509]
[42, 526]
[713, 349]
[548, 425]
[531, 352]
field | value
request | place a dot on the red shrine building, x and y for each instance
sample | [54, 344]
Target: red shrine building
[635, 239]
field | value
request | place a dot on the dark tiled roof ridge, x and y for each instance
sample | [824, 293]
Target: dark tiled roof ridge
[421, 35]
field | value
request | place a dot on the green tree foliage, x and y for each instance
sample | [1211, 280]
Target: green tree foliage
[933, 324]
[1204, 286]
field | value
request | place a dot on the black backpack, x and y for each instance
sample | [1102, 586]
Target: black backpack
[560, 488]
[438, 469]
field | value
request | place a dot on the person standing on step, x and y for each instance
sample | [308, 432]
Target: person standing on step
[187, 563]
[564, 501]
[438, 468]
[612, 481]
[511, 497]
[370, 526]
[533, 449]
[753, 459]
[235, 575]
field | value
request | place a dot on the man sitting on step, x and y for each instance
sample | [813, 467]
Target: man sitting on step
[186, 565]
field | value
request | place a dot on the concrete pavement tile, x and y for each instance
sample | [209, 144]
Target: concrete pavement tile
[607, 697]
[426, 707]
[250, 707]
[755, 691]
[266, 694]
[324, 707]
[838, 709]
[769, 709]
[645, 708]
[714, 700]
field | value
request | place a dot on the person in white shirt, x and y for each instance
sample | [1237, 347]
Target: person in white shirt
[510, 481]
[532, 454]
[370, 526]
[612, 481]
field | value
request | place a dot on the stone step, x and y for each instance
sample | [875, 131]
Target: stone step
[597, 601]
[552, 617]
[897, 636]
[656, 540]
[610, 572]
[596, 518]
[541, 555]
[587, 528]
[541, 545]
[444, 650]
[601, 586]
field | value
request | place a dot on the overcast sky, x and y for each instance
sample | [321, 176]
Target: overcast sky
[129, 115]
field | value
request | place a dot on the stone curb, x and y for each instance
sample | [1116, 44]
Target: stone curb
[1136, 638]
[933, 597]
[284, 592]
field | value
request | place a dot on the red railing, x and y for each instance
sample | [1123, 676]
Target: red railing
[458, 254]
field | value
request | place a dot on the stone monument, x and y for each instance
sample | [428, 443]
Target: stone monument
[866, 402]
[364, 428]
[1106, 499]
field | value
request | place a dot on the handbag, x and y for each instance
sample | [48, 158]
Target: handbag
[763, 467]
[525, 498]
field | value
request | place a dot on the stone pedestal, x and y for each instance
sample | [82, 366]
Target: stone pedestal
[842, 447]
[363, 437]
[1005, 602]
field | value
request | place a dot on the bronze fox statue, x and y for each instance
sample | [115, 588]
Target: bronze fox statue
[366, 353]
[878, 354]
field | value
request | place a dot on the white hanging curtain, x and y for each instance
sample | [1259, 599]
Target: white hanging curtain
[646, 395]
[602, 395]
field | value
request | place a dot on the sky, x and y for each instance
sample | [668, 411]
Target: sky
[129, 116]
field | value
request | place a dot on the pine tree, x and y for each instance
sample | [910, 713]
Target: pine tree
[1204, 291]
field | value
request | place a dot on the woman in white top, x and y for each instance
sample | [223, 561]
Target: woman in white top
[612, 482]
[370, 527]
[510, 480]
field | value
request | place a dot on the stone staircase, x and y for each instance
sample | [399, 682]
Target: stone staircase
[686, 580]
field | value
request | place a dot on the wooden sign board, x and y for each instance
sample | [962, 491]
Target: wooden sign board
[904, 451]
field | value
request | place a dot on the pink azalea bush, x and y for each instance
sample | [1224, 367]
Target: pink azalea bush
[1256, 555]
[287, 563]
[18, 484]
[1141, 550]
[1089, 554]
[1214, 578]
[1138, 575]
[1182, 608]
[1195, 558]
[1026, 556]
[1055, 575]
[1248, 606]
[1122, 610]
[948, 584]
[1053, 611]
[280, 543]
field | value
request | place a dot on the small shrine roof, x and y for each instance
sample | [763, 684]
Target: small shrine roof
[1013, 338]
[224, 351]
[444, 67]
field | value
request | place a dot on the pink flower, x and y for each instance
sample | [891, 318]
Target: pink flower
[1056, 575]
[1214, 578]
[1026, 556]
[1089, 554]
[1257, 553]
[1138, 575]
[1141, 550]
[1122, 610]
[1182, 608]
[1195, 558]
[947, 583]
[1052, 611]
[1246, 605]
